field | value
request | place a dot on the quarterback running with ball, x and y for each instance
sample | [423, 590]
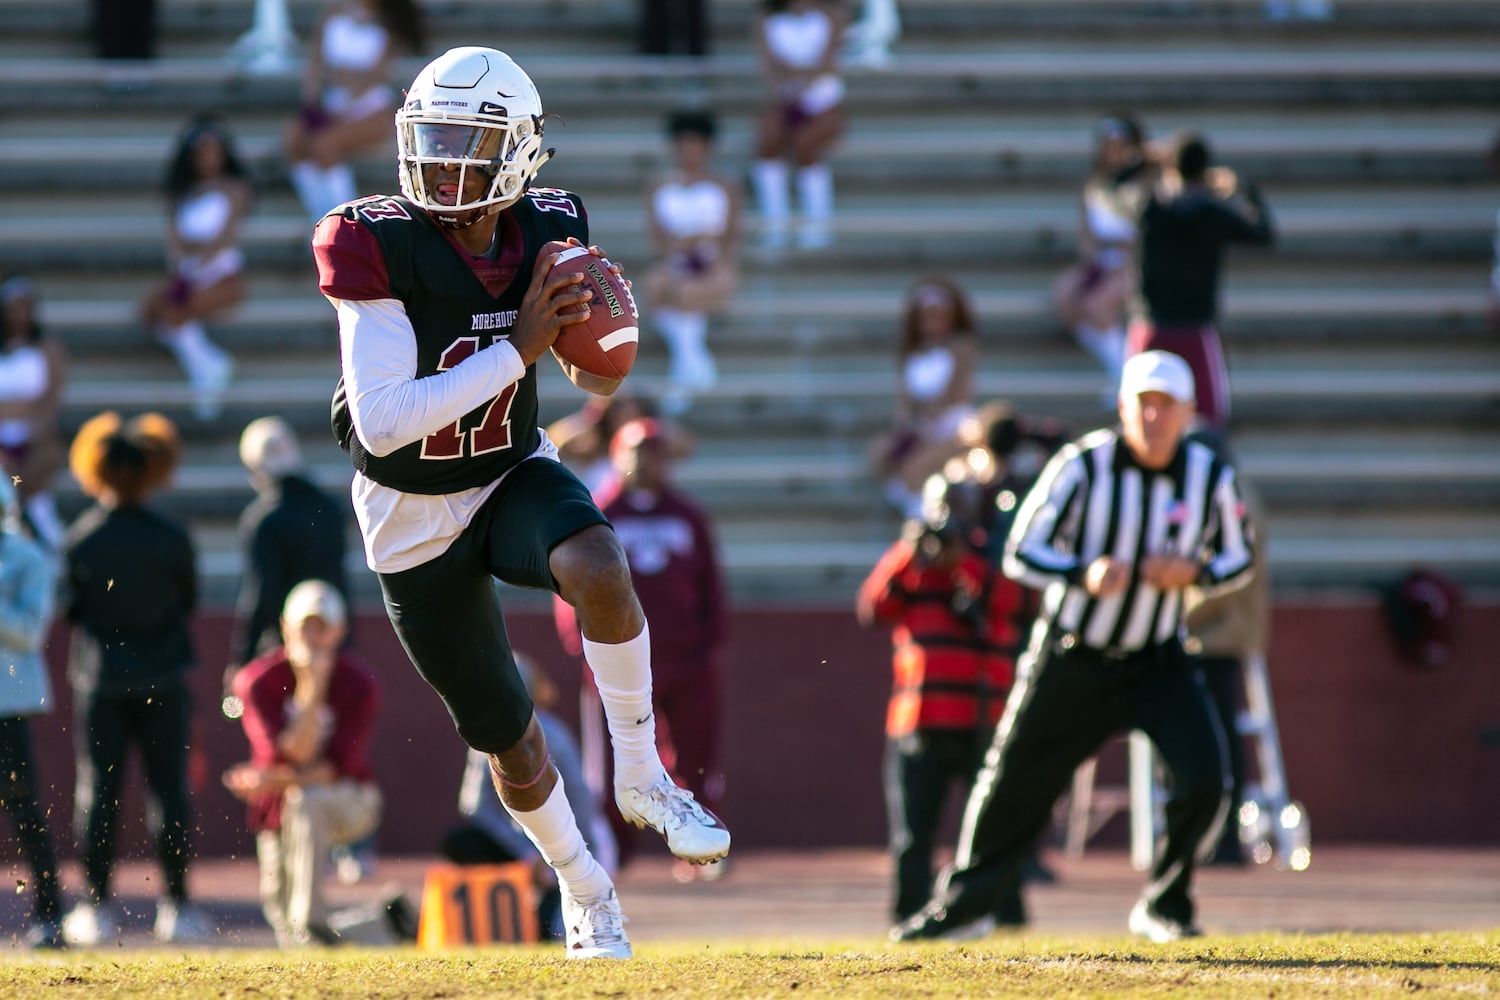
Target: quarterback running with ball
[444, 307]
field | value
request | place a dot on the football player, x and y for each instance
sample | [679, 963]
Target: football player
[444, 308]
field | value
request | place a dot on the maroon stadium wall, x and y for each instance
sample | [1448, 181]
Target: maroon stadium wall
[1378, 751]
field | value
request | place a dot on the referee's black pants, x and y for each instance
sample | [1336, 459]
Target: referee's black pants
[1059, 713]
[920, 770]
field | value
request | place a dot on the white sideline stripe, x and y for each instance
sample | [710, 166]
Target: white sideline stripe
[622, 336]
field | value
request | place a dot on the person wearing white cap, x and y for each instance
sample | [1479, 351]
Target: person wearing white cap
[291, 531]
[1120, 523]
[309, 714]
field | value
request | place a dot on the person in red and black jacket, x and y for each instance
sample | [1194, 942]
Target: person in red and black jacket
[953, 618]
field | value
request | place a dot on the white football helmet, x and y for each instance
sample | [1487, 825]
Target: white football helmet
[472, 109]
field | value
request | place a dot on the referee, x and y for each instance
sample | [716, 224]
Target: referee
[1120, 522]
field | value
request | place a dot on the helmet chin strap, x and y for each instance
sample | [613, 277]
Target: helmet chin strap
[474, 215]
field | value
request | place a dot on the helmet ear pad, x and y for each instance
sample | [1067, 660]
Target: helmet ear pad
[475, 109]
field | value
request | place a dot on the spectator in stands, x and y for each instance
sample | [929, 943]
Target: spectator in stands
[955, 638]
[936, 359]
[291, 531]
[129, 589]
[583, 436]
[1494, 159]
[1092, 294]
[693, 217]
[1193, 212]
[1305, 10]
[674, 26]
[868, 41]
[1223, 632]
[798, 42]
[309, 716]
[124, 29]
[207, 199]
[675, 568]
[488, 836]
[27, 586]
[347, 97]
[33, 369]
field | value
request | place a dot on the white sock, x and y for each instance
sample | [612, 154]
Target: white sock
[622, 674]
[815, 191]
[1106, 345]
[686, 334]
[310, 182]
[554, 830]
[770, 180]
[338, 181]
[815, 198]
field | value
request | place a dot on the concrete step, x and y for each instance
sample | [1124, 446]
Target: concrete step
[920, 18]
[788, 396]
[1121, 74]
[761, 478]
[992, 149]
[1420, 222]
[780, 315]
[827, 559]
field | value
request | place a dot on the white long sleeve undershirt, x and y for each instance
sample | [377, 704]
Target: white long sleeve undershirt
[389, 405]
[390, 408]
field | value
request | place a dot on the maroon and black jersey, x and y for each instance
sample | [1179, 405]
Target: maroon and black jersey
[387, 248]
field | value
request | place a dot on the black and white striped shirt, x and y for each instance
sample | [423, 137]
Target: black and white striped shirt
[1093, 499]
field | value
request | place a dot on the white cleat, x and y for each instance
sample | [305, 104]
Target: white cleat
[182, 923]
[87, 925]
[595, 930]
[692, 832]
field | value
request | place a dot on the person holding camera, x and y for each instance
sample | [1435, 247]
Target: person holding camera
[954, 638]
[1121, 522]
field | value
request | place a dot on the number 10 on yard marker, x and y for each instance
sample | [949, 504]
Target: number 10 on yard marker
[477, 905]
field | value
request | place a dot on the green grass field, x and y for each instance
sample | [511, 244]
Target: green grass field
[1358, 967]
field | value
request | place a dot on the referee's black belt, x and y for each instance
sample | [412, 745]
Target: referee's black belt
[1072, 644]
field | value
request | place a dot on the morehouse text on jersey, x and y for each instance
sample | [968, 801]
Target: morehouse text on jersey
[418, 303]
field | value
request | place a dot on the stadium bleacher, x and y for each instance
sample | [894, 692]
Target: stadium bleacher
[1366, 376]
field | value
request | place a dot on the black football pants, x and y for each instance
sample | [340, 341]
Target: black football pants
[1059, 713]
[447, 613]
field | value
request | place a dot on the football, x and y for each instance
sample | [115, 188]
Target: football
[605, 343]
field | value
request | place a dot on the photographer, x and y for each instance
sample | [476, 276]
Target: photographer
[954, 638]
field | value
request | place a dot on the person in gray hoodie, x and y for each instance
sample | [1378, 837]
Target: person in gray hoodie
[27, 582]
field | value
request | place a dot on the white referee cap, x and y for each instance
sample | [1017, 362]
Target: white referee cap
[314, 599]
[1157, 371]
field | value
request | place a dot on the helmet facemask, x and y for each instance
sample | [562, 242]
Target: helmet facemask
[505, 152]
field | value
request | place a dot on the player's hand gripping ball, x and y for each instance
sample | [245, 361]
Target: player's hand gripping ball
[605, 343]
